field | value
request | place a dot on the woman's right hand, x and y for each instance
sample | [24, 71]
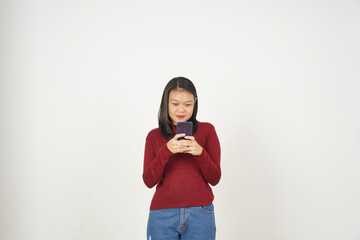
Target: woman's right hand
[173, 144]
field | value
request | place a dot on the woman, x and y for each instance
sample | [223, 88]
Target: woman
[182, 206]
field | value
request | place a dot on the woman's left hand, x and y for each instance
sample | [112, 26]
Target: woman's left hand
[190, 146]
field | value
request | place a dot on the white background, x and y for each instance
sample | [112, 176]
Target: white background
[81, 83]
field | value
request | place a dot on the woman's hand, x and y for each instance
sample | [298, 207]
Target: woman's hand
[191, 146]
[184, 146]
[173, 144]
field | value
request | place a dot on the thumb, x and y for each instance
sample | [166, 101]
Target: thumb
[179, 135]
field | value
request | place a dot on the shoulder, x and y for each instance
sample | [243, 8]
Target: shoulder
[154, 133]
[205, 125]
[205, 128]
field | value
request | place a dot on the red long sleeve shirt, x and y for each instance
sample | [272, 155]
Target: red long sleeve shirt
[182, 179]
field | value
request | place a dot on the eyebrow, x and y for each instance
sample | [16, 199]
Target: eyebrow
[175, 100]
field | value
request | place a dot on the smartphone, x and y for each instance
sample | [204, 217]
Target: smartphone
[184, 127]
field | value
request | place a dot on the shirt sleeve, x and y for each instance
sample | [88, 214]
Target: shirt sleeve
[154, 163]
[209, 159]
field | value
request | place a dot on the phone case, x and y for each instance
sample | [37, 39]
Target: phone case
[184, 127]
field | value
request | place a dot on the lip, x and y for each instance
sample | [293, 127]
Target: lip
[180, 116]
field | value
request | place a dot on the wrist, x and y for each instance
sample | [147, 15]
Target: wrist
[169, 148]
[200, 152]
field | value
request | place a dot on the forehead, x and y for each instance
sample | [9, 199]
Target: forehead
[180, 95]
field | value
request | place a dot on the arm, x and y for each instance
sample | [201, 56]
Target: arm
[209, 159]
[154, 163]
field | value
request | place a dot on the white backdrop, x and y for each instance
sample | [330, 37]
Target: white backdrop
[81, 83]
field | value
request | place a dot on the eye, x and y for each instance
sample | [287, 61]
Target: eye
[175, 104]
[188, 105]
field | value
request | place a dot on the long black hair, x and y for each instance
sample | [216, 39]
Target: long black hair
[165, 122]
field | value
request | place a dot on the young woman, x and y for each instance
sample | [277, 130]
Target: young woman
[182, 206]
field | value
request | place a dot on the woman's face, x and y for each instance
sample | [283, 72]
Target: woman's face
[181, 105]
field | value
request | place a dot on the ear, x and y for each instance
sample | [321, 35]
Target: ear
[195, 99]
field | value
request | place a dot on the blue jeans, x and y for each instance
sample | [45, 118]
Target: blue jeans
[189, 223]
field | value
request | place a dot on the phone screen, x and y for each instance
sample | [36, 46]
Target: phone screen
[184, 127]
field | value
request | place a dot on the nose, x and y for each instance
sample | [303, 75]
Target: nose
[181, 110]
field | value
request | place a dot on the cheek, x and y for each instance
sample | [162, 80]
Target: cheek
[190, 111]
[171, 110]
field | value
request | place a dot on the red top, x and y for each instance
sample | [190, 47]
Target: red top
[182, 179]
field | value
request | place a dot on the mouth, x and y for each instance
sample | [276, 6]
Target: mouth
[180, 116]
